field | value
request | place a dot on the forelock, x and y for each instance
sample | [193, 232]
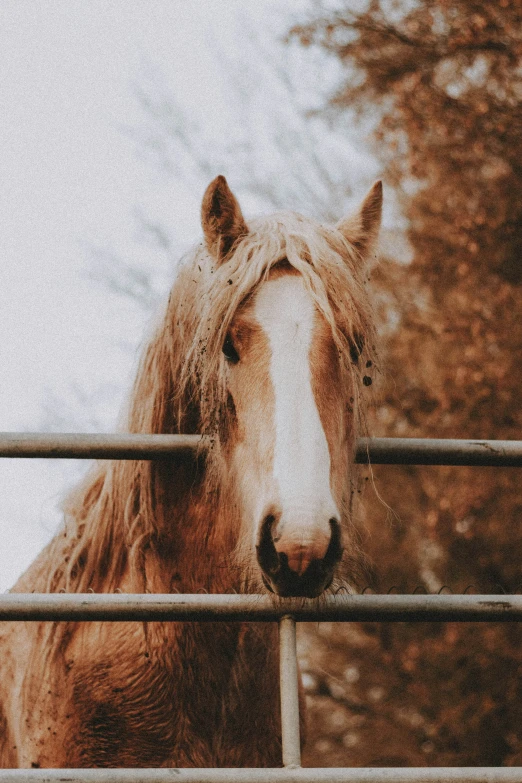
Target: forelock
[213, 293]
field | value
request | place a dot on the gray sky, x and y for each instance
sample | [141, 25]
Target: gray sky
[70, 177]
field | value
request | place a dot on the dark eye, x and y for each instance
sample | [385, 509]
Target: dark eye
[230, 353]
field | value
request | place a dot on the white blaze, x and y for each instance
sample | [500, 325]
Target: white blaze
[285, 310]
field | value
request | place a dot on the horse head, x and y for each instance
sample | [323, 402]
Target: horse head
[295, 340]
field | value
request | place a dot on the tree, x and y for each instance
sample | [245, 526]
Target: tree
[444, 80]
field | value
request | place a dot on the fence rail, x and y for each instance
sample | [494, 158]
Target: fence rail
[263, 608]
[273, 775]
[119, 607]
[384, 451]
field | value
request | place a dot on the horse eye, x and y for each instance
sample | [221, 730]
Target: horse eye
[230, 353]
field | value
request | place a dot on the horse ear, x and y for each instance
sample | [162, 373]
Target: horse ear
[362, 228]
[221, 218]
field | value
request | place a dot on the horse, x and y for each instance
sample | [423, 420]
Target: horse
[265, 346]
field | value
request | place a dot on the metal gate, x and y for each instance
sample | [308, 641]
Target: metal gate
[262, 608]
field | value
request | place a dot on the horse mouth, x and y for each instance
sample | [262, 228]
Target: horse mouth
[295, 586]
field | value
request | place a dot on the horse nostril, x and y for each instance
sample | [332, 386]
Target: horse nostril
[335, 547]
[335, 527]
[266, 527]
[267, 555]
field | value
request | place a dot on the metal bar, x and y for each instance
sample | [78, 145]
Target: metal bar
[259, 608]
[289, 690]
[385, 451]
[272, 775]
[439, 451]
[99, 446]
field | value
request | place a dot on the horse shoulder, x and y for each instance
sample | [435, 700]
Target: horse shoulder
[11, 651]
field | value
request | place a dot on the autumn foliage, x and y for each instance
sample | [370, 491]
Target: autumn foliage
[442, 84]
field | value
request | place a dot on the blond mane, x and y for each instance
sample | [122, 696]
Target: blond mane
[122, 508]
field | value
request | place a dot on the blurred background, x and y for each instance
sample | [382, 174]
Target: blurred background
[115, 117]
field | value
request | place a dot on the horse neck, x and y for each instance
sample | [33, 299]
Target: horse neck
[192, 548]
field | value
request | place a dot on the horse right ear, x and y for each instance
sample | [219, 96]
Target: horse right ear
[221, 219]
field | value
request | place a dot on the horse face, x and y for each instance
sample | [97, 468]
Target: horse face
[291, 451]
[288, 457]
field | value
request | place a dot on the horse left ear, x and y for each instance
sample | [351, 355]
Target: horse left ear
[362, 228]
[221, 218]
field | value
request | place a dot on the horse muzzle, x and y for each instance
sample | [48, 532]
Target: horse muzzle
[294, 565]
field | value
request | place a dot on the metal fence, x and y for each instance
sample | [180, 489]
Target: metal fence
[264, 608]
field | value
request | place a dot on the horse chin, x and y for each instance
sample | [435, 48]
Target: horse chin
[303, 590]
